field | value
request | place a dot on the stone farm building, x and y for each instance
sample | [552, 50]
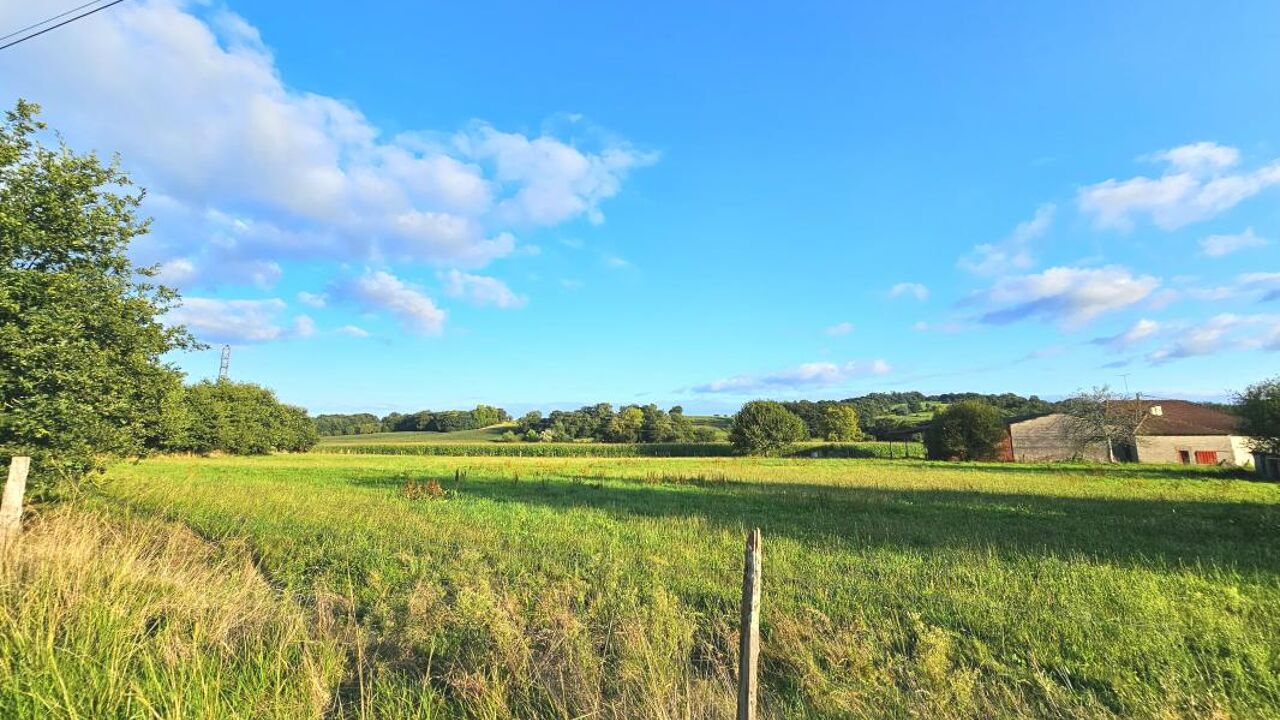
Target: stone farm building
[1170, 431]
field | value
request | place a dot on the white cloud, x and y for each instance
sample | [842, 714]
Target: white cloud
[912, 289]
[1069, 296]
[1219, 245]
[304, 326]
[199, 110]
[1199, 157]
[553, 181]
[1264, 285]
[1141, 330]
[310, 299]
[176, 272]
[481, 290]
[949, 327]
[1012, 253]
[615, 262]
[214, 320]
[1197, 184]
[838, 329]
[353, 331]
[1220, 333]
[379, 291]
[1266, 282]
[808, 375]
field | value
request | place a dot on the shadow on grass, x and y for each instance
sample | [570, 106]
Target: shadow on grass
[1141, 532]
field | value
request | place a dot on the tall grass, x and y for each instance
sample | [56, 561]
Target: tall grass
[137, 619]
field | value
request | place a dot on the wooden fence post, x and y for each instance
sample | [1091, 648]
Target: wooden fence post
[749, 632]
[14, 490]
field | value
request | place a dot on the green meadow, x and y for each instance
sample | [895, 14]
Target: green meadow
[385, 586]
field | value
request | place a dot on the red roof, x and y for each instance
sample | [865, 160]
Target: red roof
[1179, 417]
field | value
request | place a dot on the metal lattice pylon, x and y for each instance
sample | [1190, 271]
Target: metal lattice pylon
[224, 366]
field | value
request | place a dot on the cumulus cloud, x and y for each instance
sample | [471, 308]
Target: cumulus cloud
[481, 290]
[379, 291]
[1200, 181]
[838, 329]
[353, 331]
[909, 289]
[1141, 330]
[808, 375]
[1219, 245]
[246, 169]
[1013, 252]
[213, 320]
[1069, 296]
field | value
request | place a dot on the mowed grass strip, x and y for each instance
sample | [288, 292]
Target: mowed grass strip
[600, 587]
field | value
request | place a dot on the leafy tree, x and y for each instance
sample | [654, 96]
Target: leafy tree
[625, 427]
[241, 419]
[840, 423]
[967, 430]
[764, 427]
[81, 341]
[356, 424]
[1259, 410]
[529, 422]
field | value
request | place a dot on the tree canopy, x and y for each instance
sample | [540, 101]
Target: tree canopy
[81, 340]
[764, 427]
[967, 430]
[239, 419]
[1259, 410]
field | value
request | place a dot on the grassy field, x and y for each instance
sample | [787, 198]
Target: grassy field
[354, 586]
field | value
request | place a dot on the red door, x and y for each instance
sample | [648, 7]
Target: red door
[1206, 457]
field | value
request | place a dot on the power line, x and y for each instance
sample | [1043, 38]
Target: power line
[49, 20]
[55, 27]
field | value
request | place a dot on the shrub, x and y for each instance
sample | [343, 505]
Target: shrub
[241, 419]
[967, 430]
[764, 427]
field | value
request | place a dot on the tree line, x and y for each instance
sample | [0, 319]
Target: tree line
[600, 423]
[481, 416]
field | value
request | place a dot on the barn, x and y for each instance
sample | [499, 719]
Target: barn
[1171, 431]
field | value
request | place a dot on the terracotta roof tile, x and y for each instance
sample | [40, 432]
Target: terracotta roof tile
[1179, 417]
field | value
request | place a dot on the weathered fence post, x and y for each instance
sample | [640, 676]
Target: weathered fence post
[14, 490]
[749, 633]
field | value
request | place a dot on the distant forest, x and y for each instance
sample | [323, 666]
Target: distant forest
[879, 415]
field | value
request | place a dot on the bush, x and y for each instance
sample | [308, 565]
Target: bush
[764, 427]
[241, 419]
[967, 430]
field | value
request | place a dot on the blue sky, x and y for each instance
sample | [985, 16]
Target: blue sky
[408, 205]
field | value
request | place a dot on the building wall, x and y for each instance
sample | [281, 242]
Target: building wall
[1045, 439]
[1243, 453]
[1164, 448]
